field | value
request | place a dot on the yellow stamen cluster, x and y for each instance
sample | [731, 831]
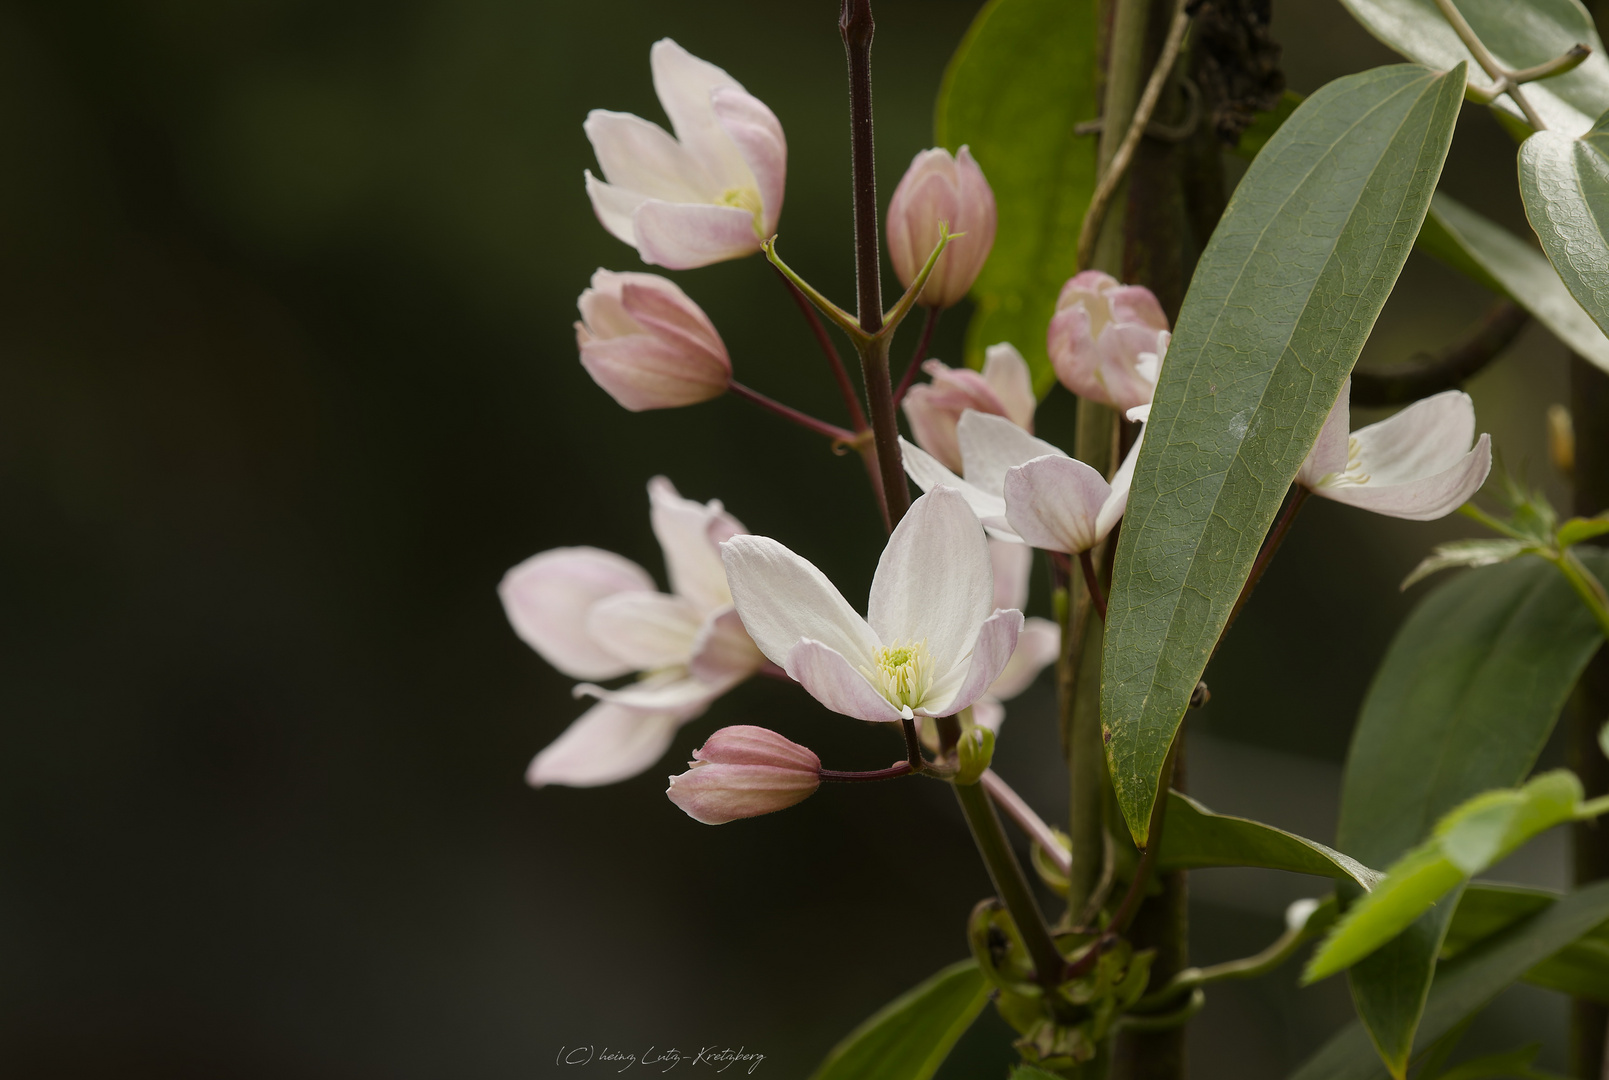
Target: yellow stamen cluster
[744, 199]
[1353, 474]
[902, 672]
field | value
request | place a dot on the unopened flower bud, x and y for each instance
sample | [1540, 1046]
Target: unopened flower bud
[644, 341]
[1107, 340]
[975, 750]
[742, 772]
[1004, 388]
[936, 189]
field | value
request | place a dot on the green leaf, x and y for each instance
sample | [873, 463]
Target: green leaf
[1495, 257]
[1576, 530]
[1194, 837]
[1470, 553]
[1580, 969]
[1023, 77]
[1279, 307]
[1472, 684]
[1467, 841]
[1468, 982]
[1565, 185]
[908, 1038]
[1519, 35]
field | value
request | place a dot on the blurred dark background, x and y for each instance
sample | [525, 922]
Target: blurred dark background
[287, 381]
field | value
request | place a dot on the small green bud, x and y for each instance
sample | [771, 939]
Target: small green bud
[976, 750]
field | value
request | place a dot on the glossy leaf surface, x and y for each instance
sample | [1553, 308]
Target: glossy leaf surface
[1565, 185]
[909, 1038]
[1279, 307]
[1519, 35]
[1194, 837]
[1022, 79]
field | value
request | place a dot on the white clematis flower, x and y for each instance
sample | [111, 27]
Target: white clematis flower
[595, 615]
[1059, 503]
[989, 446]
[1004, 387]
[1038, 644]
[932, 642]
[1417, 465]
[712, 192]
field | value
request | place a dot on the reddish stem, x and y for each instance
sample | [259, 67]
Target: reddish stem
[787, 412]
[918, 356]
[900, 769]
[1298, 496]
[1093, 584]
[840, 374]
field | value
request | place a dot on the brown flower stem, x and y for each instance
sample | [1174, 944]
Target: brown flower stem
[918, 356]
[788, 412]
[840, 374]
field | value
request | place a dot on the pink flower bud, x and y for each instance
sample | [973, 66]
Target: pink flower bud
[644, 341]
[938, 188]
[1004, 388]
[1107, 340]
[742, 772]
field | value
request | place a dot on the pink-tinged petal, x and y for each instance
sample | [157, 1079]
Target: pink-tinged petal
[988, 713]
[614, 207]
[934, 581]
[685, 236]
[1038, 646]
[830, 678]
[1054, 503]
[783, 599]
[1330, 451]
[1117, 502]
[547, 598]
[667, 692]
[1013, 563]
[1008, 376]
[606, 744]
[640, 156]
[1073, 354]
[925, 195]
[693, 561]
[602, 310]
[979, 216]
[717, 794]
[1424, 499]
[685, 85]
[932, 425]
[746, 744]
[642, 372]
[647, 630]
[1136, 304]
[991, 445]
[1425, 439]
[758, 135]
[661, 308]
[929, 474]
[996, 641]
[723, 652]
[1122, 348]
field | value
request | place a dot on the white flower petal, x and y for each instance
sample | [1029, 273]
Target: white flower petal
[1055, 503]
[547, 598]
[1424, 499]
[723, 652]
[832, 680]
[1013, 563]
[992, 651]
[645, 629]
[692, 558]
[607, 743]
[685, 236]
[929, 472]
[641, 156]
[992, 444]
[1007, 374]
[934, 581]
[1038, 646]
[685, 84]
[1423, 440]
[614, 207]
[758, 136]
[673, 692]
[1117, 502]
[784, 598]
[1329, 452]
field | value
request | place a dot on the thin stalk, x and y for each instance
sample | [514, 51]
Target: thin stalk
[919, 355]
[1092, 583]
[840, 374]
[1250, 967]
[1114, 172]
[885, 428]
[1031, 823]
[913, 744]
[903, 768]
[788, 412]
[1483, 56]
[1299, 496]
[1587, 586]
[856, 26]
[1010, 884]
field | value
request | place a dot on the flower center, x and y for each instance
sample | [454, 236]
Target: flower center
[902, 672]
[1353, 475]
[744, 199]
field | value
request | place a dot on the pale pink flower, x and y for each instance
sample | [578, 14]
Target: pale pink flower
[644, 341]
[1058, 503]
[1004, 388]
[743, 772]
[940, 189]
[1107, 340]
[711, 193]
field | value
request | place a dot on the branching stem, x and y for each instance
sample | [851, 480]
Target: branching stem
[919, 355]
[788, 412]
[840, 374]
[1092, 582]
[902, 768]
[1507, 81]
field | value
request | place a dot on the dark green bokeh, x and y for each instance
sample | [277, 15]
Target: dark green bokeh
[287, 381]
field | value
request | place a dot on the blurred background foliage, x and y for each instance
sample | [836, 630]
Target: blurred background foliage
[288, 380]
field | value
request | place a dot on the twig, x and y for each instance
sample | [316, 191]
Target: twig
[1097, 595]
[1096, 214]
[840, 374]
[1507, 81]
[787, 412]
[1031, 823]
[1479, 346]
[918, 356]
[902, 768]
[1298, 496]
